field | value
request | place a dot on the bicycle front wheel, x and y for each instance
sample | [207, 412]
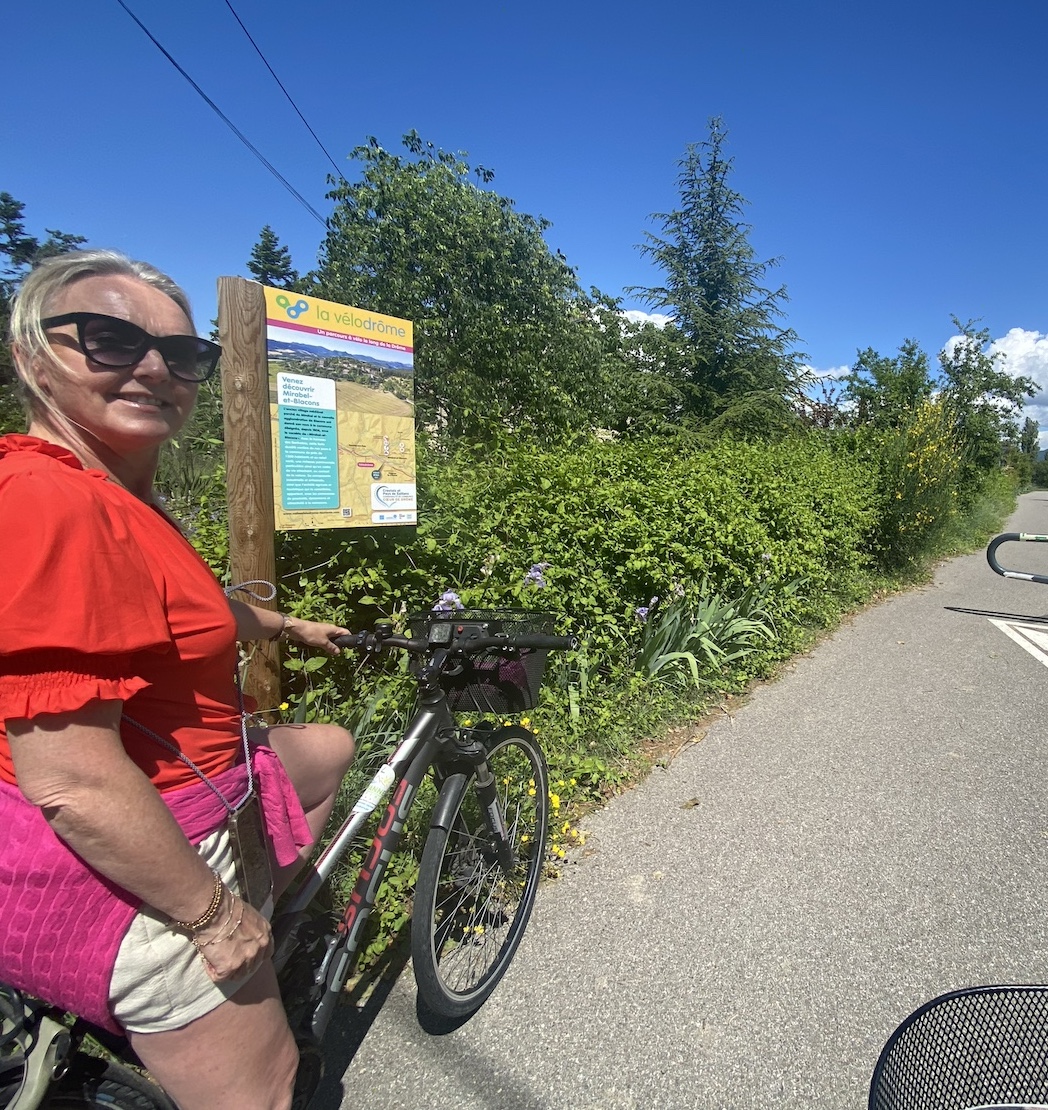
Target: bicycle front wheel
[470, 912]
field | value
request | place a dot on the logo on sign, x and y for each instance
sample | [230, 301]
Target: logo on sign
[390, 497]
[293, 311]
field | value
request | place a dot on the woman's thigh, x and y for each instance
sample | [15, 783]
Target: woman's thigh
[315, 756]
[240, 1056]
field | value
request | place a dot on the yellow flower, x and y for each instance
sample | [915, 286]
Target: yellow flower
[284, 705]
[554, 800]
[525, 721]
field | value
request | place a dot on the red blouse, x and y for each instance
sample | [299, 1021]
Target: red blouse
[101, 597]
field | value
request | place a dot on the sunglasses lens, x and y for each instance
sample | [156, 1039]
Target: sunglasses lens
[187, 357]
[113, 342]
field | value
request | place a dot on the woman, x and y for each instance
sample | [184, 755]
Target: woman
[119, 888]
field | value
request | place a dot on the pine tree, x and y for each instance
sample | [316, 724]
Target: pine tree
[713, 286]
[18, 253]
[270, 263]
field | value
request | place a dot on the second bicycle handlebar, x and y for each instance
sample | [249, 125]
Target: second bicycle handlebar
[1014, 537]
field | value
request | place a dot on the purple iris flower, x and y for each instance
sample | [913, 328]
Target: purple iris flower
[448, 603]
[535, 576]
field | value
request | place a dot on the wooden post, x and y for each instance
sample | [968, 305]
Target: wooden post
[249, 458]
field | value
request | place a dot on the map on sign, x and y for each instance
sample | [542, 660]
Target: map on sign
[1032, 637]
[341, 393]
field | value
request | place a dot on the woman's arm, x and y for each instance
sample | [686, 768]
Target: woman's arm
[254, 623]
[74, 768]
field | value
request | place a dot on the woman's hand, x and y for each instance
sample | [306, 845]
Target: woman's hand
[236, 942]
[314, 634]
[254, 623]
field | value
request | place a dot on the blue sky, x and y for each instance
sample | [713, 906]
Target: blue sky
[893, 154]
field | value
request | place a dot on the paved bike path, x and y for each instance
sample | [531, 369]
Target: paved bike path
[864, 833]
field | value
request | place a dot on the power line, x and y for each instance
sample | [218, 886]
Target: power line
[228, 122]
[291, 101]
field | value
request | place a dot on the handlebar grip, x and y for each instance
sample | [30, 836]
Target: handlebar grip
[1014, 537]
[373, 642]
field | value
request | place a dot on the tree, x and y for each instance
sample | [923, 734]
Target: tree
[1030, 437]
[982, 399]
[886, 392]
[270, 263]
[640, 366]
[713, 287]
[501, 334]
[19, 251]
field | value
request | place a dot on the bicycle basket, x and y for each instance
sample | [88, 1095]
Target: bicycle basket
[981, 1047]
[494, 682]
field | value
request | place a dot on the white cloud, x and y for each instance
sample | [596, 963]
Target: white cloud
[834, 372]
[1025, 355]
[635, 316]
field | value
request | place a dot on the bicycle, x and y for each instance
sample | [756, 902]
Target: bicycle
[479, 872]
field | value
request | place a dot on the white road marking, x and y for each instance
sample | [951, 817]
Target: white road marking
[1032, 637]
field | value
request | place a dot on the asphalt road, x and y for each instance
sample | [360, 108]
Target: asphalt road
[864, 833]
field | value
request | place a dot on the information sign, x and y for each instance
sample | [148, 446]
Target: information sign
[343, 414]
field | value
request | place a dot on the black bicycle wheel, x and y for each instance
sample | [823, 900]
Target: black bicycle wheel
[100, 1083]
[469, 914]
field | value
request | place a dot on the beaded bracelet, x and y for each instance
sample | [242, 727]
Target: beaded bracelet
[212, 909]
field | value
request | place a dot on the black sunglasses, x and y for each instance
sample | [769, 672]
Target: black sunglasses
[110, 341]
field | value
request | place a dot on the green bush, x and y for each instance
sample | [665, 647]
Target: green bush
[786, 535]
[918, 470]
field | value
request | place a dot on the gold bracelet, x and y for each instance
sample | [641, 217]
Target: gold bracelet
[226, 936]
[205, 917]
[282, 634]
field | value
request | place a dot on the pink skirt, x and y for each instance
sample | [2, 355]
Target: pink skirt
[63, 922]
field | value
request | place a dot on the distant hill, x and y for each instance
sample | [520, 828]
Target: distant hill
[303, 351]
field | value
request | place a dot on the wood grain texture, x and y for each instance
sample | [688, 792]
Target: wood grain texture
[249, 467]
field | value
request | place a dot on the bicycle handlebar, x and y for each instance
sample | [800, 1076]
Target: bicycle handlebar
[1014, 537]
[473, 645]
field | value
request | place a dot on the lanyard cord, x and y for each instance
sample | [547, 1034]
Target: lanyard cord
[180, 755]
[231, 809]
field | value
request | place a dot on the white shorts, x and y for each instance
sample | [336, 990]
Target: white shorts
[159, 981]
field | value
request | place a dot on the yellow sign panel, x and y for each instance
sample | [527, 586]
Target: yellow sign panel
[342, 402]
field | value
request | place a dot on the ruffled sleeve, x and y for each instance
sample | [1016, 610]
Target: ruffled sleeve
[35, 682]
[77, 600]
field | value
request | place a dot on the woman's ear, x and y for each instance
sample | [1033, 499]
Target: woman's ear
[32, 370]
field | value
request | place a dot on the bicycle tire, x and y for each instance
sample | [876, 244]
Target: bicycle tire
[107, 1085]
[469, 917]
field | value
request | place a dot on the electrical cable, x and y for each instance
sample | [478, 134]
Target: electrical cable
[228, 122]
[280, 83]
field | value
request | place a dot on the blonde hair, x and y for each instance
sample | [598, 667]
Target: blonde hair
[38, 292]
